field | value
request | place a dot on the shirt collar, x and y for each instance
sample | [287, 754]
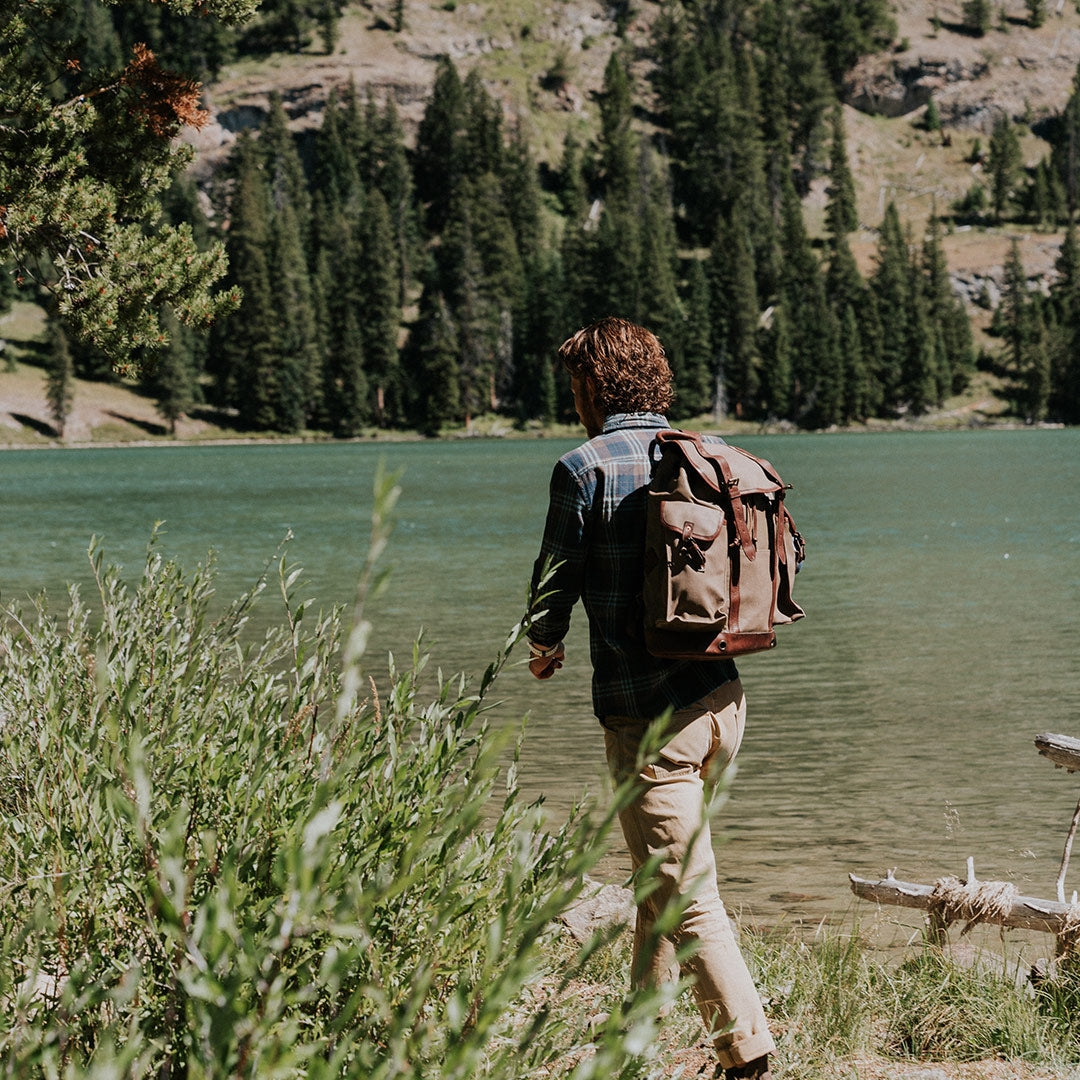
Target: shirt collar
[616, 421]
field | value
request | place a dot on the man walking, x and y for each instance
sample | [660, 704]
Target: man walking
[594, 535]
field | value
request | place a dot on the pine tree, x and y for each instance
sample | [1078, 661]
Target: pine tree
[521, 191]
[573, 196]
[539, 329]
[7, 295]
[328, 20]
[918, 385]
[977, 15]
[801, 92]
[735, 313]
[932, 118]
[348, 395]
[946, 314]
[856, 379]
[850, 30]
[1037, 374]
[841, 215]
[282, 167]
[85, 153]
[618, 143]
[1036, 13]
[393, 177]
[298, 376]
[707, 148]
[1040, 197]
[1065, 373]
[381, 314]
[827, 402]
[247, 342]
[336, 174]
[1064, 344]
[7, 287]
[802, 291]
[484, 150]
[1004, 165]
[170, 379]
[434, 360]
[59, 377]
[1015, 305]
[693, 374]
[844, 284]
[441, 146]
[776, 374]
[337, 303]
[660, 306]
[891, 285]
[616, 265]
[1065, 151]
[871, 339]
[469, 300]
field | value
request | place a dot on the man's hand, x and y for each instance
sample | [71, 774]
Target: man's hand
[545, 662]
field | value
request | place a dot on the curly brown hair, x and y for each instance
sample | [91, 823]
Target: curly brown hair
[626, 363]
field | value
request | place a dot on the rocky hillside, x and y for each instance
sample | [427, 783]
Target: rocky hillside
[1023, 72]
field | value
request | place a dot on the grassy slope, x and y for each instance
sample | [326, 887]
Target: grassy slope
[515, 42]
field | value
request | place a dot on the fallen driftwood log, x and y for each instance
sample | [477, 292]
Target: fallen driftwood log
[1062, 750]
[973, 902]
[950, 900]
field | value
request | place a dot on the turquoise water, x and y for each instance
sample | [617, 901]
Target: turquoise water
[892, 728]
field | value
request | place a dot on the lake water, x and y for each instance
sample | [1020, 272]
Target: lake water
[892, 727]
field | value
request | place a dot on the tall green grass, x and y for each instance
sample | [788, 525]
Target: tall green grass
[231, 858]
[836, 999]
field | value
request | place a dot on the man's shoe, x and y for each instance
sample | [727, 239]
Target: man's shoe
[758, 1069]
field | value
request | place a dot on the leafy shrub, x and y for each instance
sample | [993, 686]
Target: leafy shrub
[225, 857]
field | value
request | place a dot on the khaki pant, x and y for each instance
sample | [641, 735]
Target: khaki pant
[664, 818]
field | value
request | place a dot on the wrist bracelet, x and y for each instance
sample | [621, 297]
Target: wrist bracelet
[542, 651]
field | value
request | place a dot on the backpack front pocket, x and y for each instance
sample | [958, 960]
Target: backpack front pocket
[688, 589]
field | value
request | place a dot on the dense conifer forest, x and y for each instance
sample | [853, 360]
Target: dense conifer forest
[419, 286]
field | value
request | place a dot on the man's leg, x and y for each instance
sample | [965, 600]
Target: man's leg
[668, 817]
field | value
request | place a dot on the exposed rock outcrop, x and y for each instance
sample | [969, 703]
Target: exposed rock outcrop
[598, 906]
[902, 85]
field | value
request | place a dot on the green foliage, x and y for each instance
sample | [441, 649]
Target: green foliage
[327, 249]
[977, 16]
[381, 312]
[849, 30]
[230, 855]
[932, 117]
[835, 1000]
[1004, 165]
[618, 142]
[59, 377]
[84, 154]
[171, 373]
[1065, 141]
[841, 214]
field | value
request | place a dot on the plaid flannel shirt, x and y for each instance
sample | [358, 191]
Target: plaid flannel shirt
[596, 530]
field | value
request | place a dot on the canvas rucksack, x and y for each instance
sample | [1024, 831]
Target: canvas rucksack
[720, 551]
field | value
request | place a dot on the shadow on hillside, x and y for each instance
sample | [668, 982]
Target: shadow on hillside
[149, 426]
[211, 414]
[28, 350]
[960, 28]
[36, 425]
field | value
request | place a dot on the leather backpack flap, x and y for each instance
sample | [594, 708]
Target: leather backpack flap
[692, 520]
